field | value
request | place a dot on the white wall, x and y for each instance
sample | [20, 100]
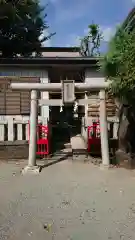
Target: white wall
[93, 75]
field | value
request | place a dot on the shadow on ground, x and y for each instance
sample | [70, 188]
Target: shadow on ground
[54, 160]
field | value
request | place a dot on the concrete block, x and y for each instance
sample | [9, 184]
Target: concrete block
[31, 170]
[104, 167]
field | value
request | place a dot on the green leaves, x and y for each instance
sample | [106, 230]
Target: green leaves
[21, 24]
[91, 42]
[119, 65]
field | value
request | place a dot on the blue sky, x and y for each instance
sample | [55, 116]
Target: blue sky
[70, 18]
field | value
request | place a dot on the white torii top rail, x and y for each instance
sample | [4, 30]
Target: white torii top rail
[58, 86]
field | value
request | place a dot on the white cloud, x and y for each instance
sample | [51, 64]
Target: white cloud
[72, 41]
[108, 33]
[48, 42]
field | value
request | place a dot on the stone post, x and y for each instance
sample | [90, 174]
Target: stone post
[104, 130]
[32, 167]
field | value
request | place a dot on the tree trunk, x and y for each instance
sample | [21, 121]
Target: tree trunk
[126, 136]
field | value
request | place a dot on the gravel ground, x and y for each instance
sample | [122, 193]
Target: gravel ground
[67, 201]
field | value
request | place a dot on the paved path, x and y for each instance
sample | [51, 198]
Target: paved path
[67, 201]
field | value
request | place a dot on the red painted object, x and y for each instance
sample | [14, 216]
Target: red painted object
[94, 135]
[42, 140]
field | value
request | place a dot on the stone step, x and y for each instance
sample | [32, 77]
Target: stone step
[67, 145]
[77, 143]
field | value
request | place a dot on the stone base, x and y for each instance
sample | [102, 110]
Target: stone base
[15, 150]
[104, 167]
[122, 156]
[31, 170]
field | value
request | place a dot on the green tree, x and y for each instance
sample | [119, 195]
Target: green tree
[119, 68]
[90, 43]
[22, 22]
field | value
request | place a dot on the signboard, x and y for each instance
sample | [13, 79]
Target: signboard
[68, 91]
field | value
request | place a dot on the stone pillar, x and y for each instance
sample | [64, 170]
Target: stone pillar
[86, 109]
[104, 130]
[32, 167]
[87, 79]
[45, 95]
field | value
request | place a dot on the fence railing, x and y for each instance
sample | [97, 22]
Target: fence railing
[113, 124]
[12, 129]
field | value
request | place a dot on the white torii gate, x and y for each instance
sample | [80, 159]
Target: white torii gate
[68, 89]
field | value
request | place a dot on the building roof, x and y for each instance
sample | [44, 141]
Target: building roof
[49, 61]
[59, 49]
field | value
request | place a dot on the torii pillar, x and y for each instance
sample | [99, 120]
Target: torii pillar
[104, 131]
[32, 166]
